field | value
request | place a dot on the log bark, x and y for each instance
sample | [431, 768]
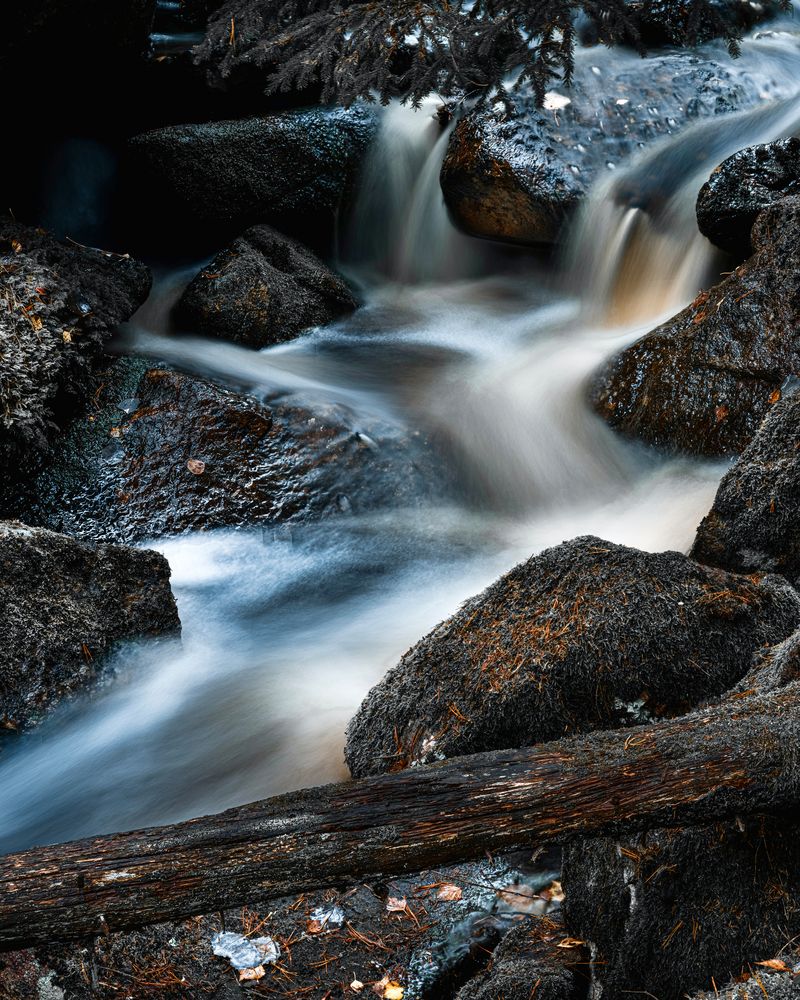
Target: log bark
[738, 757]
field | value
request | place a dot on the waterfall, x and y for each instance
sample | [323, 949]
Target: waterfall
[400, 228]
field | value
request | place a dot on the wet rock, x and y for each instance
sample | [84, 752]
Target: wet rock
[702, 382]
[587, 635]
[517, 178]
[263, 289]
[668, 912]
[63, 604]
[293, 169]
[171, 452]
[754, 523]
[532, 957]
[744, 185]
[58, 306]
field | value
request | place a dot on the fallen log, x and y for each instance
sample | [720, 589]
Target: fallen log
[740, 756]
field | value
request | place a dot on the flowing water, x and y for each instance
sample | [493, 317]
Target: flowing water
[283, 634]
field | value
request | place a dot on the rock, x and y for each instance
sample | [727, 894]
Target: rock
[58, 307]
[586, 635]
[669, 911]
[702, 382]
[744, 185]
[63, 605]
[532, 957]
[754, 523]
[517, 178]
[263, 289]
[192, 455]
[293, 169]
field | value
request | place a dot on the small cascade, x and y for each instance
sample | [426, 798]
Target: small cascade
[400, 228]
[634, 252]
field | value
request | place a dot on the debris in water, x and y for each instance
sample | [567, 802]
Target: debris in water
[244, 953]
[196, 466]
[325, 918]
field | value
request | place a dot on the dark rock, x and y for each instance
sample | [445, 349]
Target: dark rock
[263, 289]
[532, 958]
[518, 178]
[667, 912]
[192, 455]
[587, 635]
[702, 382]
[744, 185]
[58, 306]
[754, 523]
[293, 169]
[63, 604]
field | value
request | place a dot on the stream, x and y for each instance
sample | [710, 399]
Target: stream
[284, 632]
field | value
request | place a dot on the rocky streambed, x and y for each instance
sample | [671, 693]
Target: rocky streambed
[548, 487]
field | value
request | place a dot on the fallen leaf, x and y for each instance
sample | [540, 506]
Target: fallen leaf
[36, 323]
[775, 963]
[66, 336]
[721, 413]
[395, 905]
[450, 892]
[570, 943]
[16, 246]
[196, 467]
[257, 973]
[774, 397]
[315, 926]
[394, 991]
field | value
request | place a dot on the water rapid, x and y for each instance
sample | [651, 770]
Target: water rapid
[285, 632]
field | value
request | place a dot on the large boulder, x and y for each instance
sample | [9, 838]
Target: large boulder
[63, 605]
[743, 186]
[702, 382]
[59, 304]
[518, 177]
[263, 289]
[673, 911]
[293, 169]
[587, 635]
[170, 452]
[754, 523]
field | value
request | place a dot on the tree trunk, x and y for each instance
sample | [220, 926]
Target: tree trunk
[740, 756]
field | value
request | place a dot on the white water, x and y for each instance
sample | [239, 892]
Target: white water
[284, 636]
